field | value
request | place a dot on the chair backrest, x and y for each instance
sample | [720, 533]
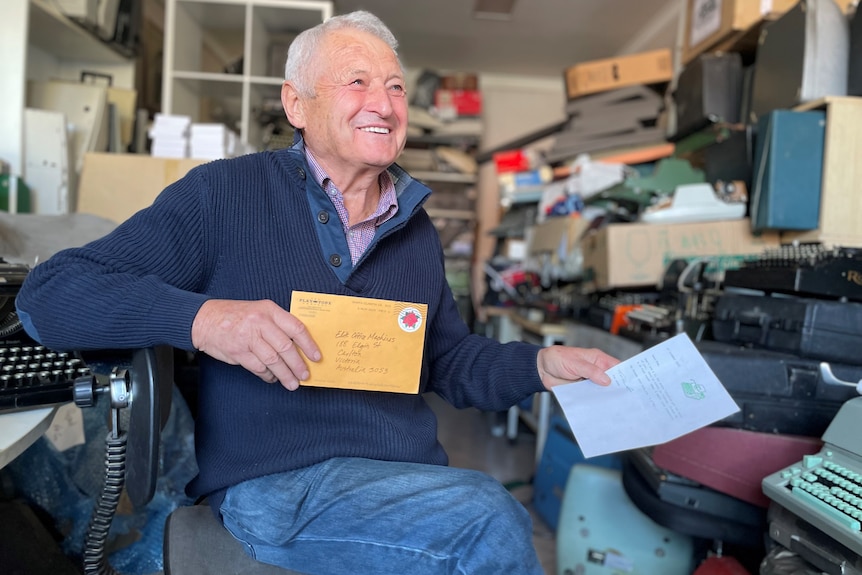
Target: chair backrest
[196, 543]
[149, 381]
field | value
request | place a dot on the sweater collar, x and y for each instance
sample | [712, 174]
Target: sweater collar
[400, 178]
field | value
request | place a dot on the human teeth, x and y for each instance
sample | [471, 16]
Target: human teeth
[376, 130]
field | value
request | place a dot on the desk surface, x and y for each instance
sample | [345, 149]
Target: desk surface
[19, 430]
[582, 335]
[540, 328]
[573, 333]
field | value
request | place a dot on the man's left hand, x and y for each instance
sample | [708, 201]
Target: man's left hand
[561, 364]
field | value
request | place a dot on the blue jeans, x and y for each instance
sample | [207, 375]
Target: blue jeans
[361, 516]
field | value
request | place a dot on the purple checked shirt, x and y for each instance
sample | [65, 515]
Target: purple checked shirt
[359, 235]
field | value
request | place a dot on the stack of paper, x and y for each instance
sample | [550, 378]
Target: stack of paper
[623, 117]
[212, 141]
[170, 136]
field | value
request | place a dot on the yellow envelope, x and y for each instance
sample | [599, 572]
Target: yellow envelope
[366, 344]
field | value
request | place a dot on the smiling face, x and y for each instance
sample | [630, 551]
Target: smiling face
[357, 121]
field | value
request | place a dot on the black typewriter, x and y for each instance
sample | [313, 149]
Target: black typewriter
[31, 375]
[803, 269]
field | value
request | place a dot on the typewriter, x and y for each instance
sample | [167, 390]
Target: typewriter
[813, 270]
[825, 489]
[31, 376]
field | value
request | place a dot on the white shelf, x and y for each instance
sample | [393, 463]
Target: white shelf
[206, 38]
[57, 34]
[448, 177]
[208, 77]
[467, 215]
[55, 48]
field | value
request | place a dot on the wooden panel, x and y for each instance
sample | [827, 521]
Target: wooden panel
[841, 192]
[115, 186]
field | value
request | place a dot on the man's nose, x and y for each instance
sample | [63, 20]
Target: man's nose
[380, 100]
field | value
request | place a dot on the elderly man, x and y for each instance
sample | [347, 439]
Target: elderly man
[315, 479]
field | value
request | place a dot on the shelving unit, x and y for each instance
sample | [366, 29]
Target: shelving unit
[60, 48]
[451, 206]
[452, 209]
[44, 44]
[217, 56]
[57, 34]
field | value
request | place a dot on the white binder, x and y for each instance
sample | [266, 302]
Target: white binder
[47, 162]
[86, 109]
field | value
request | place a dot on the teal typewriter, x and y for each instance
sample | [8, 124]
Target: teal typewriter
[825, 489]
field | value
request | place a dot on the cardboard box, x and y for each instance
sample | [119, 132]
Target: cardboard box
[840, 220]
[460, 81]
[653, 67]
[512, 161]
[710, 22]
[846, 6]
[462, 102]
[630, 255]
[115, 186]
[556, 234]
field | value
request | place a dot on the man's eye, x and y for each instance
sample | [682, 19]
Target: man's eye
[358, 82]
[397, 88]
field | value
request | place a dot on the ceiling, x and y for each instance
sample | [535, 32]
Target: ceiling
[542, 38]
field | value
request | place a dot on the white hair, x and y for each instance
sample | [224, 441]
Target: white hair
[305, 47]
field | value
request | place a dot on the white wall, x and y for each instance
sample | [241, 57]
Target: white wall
[512, 107]
[13, 46]
[43, 66]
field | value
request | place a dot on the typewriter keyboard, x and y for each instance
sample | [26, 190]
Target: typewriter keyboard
[834, 489]
[33, 376]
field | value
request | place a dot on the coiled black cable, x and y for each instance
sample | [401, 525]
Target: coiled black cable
[9, 324]
[95, 562]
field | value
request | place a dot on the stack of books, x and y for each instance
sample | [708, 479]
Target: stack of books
[608, 120]
[170, 136]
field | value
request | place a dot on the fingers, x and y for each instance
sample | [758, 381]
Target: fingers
[279, 350]
[559, 364]
[260, 336]
[598, 362]
[594, 373]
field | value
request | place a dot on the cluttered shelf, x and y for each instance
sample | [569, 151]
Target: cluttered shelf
[200, 62]
[731, 215]
[751, 167]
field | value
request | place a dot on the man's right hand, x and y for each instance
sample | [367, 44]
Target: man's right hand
[258, 335]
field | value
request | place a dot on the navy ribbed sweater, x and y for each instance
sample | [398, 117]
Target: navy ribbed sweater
[253, 228]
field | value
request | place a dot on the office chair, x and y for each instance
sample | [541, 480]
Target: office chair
[139, 383]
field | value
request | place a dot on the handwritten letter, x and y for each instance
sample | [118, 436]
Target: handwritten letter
[663, 392]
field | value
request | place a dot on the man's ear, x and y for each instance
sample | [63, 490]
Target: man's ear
[292, 104]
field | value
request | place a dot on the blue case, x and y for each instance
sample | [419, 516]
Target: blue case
[603, 533]
[788, 168]
[560, 454]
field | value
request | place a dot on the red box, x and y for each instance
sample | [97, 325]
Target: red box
[733, 461]
[464, 102]
[511, 161]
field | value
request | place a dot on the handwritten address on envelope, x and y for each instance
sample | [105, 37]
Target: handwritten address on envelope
[366, 344]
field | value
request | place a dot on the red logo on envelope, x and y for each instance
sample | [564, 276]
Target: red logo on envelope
[410, 319]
